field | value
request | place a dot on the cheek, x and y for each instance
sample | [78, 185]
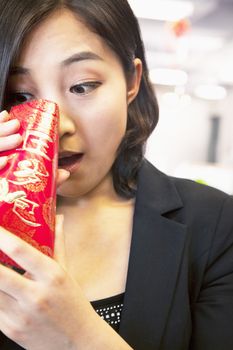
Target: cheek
[107, 125]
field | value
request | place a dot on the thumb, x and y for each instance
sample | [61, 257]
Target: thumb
[59, 246]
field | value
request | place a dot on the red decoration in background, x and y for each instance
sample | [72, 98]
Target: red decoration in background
[180, 27]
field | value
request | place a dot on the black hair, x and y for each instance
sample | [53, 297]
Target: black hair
[115, 23]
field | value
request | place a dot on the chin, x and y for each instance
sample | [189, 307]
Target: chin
[67, 194]
[65, 190]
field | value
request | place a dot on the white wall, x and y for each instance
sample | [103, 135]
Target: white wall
[181, 139]
[226, 136]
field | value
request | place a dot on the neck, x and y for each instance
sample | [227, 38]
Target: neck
[103, 194]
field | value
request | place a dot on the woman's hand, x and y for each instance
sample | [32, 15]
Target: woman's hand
[9, 139]
[44, 308]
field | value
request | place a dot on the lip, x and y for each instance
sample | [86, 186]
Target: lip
[69, 161]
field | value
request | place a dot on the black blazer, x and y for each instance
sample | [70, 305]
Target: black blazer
[179, 291]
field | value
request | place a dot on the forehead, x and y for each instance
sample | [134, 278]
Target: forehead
[63, 34]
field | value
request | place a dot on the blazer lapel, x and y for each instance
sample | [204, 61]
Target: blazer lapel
[156, 253]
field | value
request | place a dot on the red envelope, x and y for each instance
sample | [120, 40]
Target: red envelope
[28, 182]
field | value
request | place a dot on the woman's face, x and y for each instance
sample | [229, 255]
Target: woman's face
[65, 62]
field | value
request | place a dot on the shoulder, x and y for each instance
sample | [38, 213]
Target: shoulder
[206, 212]
[201, 198]
[193, 195]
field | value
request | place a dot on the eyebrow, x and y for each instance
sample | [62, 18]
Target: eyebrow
[18, 70]
[77, 57]
[81, 56]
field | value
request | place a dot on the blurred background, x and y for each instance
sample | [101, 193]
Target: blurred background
[189, 49]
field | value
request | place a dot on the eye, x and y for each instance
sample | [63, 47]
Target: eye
[85, 88]
[15, 98]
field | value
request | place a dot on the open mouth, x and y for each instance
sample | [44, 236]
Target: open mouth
[69, 160]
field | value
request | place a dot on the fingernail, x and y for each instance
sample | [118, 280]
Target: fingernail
[4, 115]
[15, 121]
[3, 161]
[63, 175]
[19, 137]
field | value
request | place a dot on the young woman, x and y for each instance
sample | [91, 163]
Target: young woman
[142, 261]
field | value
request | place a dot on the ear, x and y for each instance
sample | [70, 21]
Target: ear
[135, 80]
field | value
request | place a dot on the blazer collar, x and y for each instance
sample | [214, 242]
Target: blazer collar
[156, 252]
[157, 190]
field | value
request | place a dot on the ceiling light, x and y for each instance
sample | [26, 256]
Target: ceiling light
[203, 43]
[162, 10]
[168, 77]
[211, 92]
[226, 74]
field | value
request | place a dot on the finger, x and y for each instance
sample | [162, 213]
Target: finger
[59, 247]
[62, 176]
[6, 325]
[3, 162]
[4, 116]
[10, 142]
[11, 308]
[29, 258]
[9, 325]
[10, 127]
[12, 285]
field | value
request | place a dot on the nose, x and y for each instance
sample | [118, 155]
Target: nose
[66, 124]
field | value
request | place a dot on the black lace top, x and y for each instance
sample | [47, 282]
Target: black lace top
[109, 309]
